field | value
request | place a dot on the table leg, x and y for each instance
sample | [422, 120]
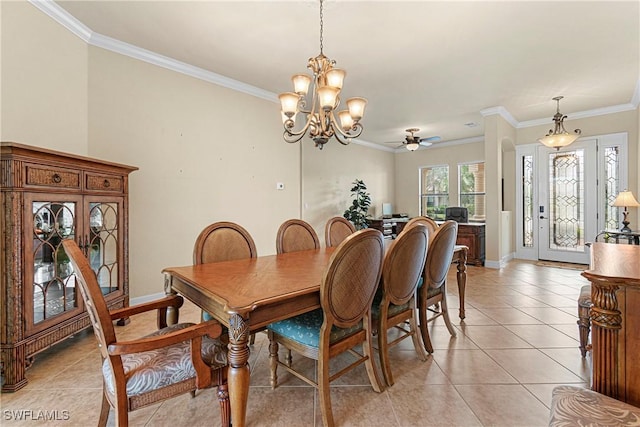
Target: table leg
[462, 278]
[239, 374]
[172, 313]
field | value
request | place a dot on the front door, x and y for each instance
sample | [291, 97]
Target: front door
[567, 208]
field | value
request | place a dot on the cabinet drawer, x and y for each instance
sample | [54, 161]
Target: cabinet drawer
[104, 183]
[52, 177]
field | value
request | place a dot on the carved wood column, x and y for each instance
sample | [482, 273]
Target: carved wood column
[606, 320]
[239, 374]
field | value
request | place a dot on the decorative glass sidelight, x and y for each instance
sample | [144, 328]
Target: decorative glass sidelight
[54, 290]
[612, 186]
[527, 201]
[566, 201]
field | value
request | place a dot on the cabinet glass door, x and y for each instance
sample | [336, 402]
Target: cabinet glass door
[54, 286]
[102, 244]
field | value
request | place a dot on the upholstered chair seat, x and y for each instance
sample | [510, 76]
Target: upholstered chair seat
[305, 329]
[159, 368]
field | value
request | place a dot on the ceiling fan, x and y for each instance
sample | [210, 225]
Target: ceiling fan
[413, 142]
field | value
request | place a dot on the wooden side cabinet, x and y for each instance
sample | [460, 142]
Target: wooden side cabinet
[473, 236]
[614, 274]
[48, 196]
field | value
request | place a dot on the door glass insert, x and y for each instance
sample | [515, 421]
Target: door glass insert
[103, 244]
[54, 290]
[566, 201]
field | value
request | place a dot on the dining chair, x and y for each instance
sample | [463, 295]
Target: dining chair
[431, 225]
[171, 361]
[434, 290]
[394, 306]
[223, 241]
[336, 230]
[343, 321]
[296, 235]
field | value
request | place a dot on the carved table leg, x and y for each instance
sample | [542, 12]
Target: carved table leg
[239, 374]
[172, 313]
[606, 322]
[462, 278]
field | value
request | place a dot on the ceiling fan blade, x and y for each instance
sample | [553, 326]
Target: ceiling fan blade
[425, 143]
[431, 139]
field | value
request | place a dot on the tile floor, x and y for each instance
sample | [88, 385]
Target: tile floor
[518, 341]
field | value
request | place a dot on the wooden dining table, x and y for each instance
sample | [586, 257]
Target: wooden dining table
[246, 295]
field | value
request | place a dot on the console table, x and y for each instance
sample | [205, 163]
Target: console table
[614, 274]
[472, 235]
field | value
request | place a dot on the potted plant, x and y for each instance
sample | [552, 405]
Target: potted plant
[357, 212]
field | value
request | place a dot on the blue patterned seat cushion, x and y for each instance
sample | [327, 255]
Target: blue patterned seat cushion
[151, 370]
[305, 329]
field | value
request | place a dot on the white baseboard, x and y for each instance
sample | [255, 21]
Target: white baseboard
[499, 264]
[146, 298]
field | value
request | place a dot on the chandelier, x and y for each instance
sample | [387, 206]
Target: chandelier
[558, 137]
[320, 113]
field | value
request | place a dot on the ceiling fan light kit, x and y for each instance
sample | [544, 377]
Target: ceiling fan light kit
[558, 137]
[320, 114]
[412, 142]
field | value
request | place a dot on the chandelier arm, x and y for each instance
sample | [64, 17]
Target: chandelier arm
[356, 128]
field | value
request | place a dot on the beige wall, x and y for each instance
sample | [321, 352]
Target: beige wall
[44, 81]
[407, 165]
[200, 160]
[328, 175]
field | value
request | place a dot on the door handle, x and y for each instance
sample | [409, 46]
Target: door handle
[543, 217]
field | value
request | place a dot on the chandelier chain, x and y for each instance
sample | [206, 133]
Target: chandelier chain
[321, 28]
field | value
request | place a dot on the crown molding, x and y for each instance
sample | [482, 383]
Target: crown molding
[64, 18]
[502, 112]
[141, 54]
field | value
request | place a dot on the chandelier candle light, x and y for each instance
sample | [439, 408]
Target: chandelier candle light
[321, 122]
[558, 137]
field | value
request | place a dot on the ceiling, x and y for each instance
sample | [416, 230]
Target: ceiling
[433, 65]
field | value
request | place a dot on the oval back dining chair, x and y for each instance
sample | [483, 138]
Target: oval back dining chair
[395, 302]
[223, 241]
[336, 230]
[173, 360]
[434, 290]
[342, 322]
[431, 225]
[296, 235]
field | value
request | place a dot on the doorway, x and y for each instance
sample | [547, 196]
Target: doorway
[565, 196]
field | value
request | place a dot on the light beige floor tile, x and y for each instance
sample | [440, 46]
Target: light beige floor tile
[510, 316]
[473, 317]
[532, 366]
[471, 367]
[571, 359]
[568, 329]
[408, 370]
[432, 405]
[358, 406]
[542, 336]
[551, 315]
[504, 405]
[498, 336]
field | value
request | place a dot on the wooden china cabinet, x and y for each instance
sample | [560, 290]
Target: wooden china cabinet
[48, 196]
